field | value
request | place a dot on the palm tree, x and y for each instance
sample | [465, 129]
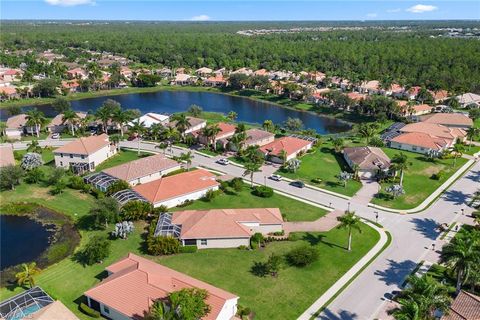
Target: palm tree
[349, 221]
[232, 115]
[338, 144]
[366, 131]
[462, 254]
[268, 125]
[103, 114]
[35, 119]
[182, 123]
[162, 310]
[283, 156]
[457, 152]
[70, 117]
[210, 132]
[472, 133]
[121, 117]
[187, 157]
[409, 310]
[238, 140]
[26, 276]
[162, 146]
[250, 169]
[155, 130]
[138, 128]
[34, 146]
[400, 163]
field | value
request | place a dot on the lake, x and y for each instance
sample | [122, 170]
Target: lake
[21, 240]
[248, 110]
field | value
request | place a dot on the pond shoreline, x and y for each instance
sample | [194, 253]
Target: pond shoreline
[133, 90]
[62, 243]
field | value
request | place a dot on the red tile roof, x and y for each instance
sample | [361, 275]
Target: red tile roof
[290, 144]
[8, 90]
[6, 156]
[356, 96]
[223, 223]
[455, 119]
[466, 306]
[85, 146]
[433, 129]
[424, 140]
[226, 129]
[137, 282]
[176, 185]
[17, 122]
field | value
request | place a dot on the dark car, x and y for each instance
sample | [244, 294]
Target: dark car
[298, 184]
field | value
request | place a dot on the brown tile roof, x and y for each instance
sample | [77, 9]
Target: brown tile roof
[6, 156]
[193, 122]
[176, 185]
[255, 135]
[421, 139]
[142, 167]
[223, 223]
[58, 120]
[84, 145]
[289, 144]
[54, 311]
[356, 96]
[136, 282]
[433, 129]
[17, 122]
[456, 119]
[8, 90]
[466, 306]
[368, 157]
[226, 129]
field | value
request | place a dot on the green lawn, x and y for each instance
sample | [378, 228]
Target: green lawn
[324, 164]
[471, 150]
[295, 289]
[47, 155]
[122, 157]
[292, 209]
[418, 182]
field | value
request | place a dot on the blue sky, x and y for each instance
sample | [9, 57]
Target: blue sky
[239, 10]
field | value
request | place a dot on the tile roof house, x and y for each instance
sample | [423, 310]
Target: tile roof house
[57, 124]
[453, 120]
[151, 118]
[291, 145]
[8, 92]
[420, 142]
[84, 154]
[203, 72]
[184, 79]
[368, 160]
[370, 87]
[71, 85]
[436, 130]
[77, 73]
[440, 95]
[54, 311]
[174, 190]
[257, 137]
[411, 94]
[195, 124]
[226, 131]
[219, 228]
[143, 170]
[134, 283]
[17, 125]
[415, 110]
[466, 306]
[215, 81]
[469, 99]
[6, 156]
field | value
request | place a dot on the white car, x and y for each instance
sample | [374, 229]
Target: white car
[276, 177]
[223, 161]
[56, 136]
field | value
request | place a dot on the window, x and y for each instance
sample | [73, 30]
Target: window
[83, 157]
[61, 155]
[203, 242]
[190, 242]
[414, 148]
[71, 156]
[61, 164]
[106, 310]
[92, 165]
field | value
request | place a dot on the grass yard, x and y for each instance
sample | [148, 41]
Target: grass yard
[295, 289]
[292, 209]
[418, 182]
[324, 164]
[47, 155]
[122, 157]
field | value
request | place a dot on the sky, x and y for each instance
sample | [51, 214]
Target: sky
[234, 10]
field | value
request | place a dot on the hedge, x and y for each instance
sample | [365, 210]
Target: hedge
[89, 311]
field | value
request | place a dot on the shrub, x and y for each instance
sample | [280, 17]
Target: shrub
[185, 203]
[89, 311]
[242, 247]
[279, 233]
[136, 210]
[257, 237]
[263, 191]
[439, 175]
[237, 184]
[162, 245]
[316, 180]
[76, 183]
[254, 245]
[97, 249]
[302, 256]
[34, 176]
[117, 186]
[188, 249]
[58, 188]
[97, 193]
[294, 237]
[210, 195]
[376, 142]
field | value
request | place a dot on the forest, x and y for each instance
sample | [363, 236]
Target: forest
[410, 57]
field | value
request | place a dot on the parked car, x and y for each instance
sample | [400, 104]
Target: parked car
[298, 184]
[223, 161]
[56, 136]
[276, 177]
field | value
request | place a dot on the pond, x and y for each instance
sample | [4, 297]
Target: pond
[248, 110]
[21, 240]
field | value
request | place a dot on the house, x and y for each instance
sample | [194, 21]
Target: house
[165, 72]
[468, 99]
[367, 161]
[174, 190]
[357, 97]
[415, 110]
[226, 131]
[196, 124]
[257, 137]
[152, 118]
[17, 125]
[261, 73]
[440, 95]
[396, 91]
[143, 170]
[10, 75]
[453, 120]
[245, 71]
[317, 76]
[216, 81]
[436, 130]
[77, 73]
[420, 142]
[8, 92]
[134, 283]
[71, 85]
[370, 87]
[58, 126]
[466, 306]
[184, 79]
[6, 156]
[203, 72]
[411, 94]
[291, 147]
[126, 72]
[220, 72]
[219, 228]
[84, 154]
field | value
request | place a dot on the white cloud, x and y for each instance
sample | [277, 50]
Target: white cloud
[420, 8]
[202, 17]
[69, 3]
[394, 10]
[372, 15]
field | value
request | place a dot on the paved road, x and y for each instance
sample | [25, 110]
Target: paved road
[412, 234]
